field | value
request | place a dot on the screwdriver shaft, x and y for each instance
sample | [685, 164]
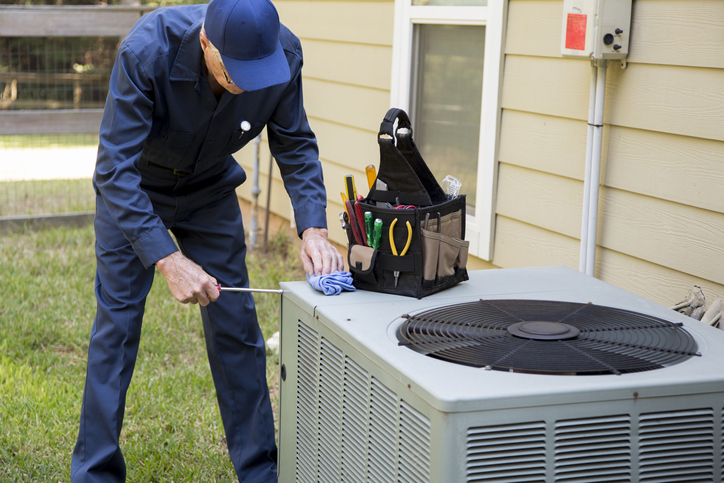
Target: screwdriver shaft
[257, 290]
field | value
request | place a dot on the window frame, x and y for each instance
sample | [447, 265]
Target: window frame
[480, 227]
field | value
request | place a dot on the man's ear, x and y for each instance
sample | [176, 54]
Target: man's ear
[204, 40]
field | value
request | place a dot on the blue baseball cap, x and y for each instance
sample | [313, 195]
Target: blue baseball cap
[246, 33]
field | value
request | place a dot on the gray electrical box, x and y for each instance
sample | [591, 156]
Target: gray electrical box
[597, 29]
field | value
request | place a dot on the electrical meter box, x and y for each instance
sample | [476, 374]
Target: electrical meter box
[596, 29]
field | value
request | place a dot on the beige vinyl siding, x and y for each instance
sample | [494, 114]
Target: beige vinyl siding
[661, 208]
[525, 245]
[347, 66]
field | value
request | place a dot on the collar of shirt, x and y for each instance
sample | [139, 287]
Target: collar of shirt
[187, 65]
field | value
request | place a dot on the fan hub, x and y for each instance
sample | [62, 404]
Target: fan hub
[543, 330]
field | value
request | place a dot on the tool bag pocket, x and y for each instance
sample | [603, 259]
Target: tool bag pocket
[361, 261]
[379, 274]
[421, 247]
[443, 249]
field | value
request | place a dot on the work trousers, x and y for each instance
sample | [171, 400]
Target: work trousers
[213, 237]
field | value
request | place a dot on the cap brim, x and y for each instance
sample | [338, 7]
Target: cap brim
[252, 75]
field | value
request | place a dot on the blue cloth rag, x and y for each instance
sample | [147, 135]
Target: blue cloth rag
[333, 283]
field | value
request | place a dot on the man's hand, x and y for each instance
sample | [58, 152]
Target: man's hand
[188, 282]
[318, 256]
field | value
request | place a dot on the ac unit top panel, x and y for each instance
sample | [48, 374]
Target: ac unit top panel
[368, 322]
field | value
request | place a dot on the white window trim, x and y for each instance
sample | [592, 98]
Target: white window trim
[480, 228]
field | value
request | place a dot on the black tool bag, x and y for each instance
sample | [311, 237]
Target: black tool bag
[406, 190]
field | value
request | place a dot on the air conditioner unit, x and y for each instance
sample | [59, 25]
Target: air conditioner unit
[369, 394]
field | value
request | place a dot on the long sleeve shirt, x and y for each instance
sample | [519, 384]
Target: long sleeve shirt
[161, 112]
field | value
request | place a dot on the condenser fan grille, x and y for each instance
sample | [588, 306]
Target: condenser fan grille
[547, 337]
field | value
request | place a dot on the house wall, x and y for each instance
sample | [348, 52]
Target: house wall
[661, 212]
[347, 65]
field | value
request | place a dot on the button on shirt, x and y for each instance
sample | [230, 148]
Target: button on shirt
[164, 133]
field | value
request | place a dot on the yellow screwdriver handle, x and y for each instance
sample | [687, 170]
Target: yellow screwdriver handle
[371, 175]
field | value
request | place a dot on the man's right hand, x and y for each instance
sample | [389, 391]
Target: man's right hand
[188, 282]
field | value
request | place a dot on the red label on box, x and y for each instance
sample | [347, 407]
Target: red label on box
[576, 31]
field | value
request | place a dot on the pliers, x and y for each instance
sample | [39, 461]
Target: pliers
[394, 248]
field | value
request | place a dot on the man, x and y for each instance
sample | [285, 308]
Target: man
[191, 85]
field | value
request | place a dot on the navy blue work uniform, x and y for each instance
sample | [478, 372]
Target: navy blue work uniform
[164, 163]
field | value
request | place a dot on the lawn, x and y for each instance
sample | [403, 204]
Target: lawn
[172, 430]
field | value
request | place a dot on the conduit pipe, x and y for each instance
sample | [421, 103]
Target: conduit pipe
[592, 176]
[587, 174]
[255, 190]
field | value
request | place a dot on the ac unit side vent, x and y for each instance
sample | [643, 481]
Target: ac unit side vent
[307, 394]
[414, 428]
[677, 446]
[350, 426]
[383, 433]
[507, 454]
[355, 423]
[331, 376]
[595, 450]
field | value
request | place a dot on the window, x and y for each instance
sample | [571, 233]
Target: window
[446, 92]
[446, 73]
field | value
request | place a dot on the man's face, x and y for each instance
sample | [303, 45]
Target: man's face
[215, 65]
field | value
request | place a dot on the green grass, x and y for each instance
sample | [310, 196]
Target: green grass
[172, 430]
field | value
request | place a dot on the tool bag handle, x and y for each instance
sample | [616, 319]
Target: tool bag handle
[408, 178]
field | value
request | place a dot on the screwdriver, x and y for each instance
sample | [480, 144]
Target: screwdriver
[377, 234]
[371, 175]
[244, 289]
[369, 226]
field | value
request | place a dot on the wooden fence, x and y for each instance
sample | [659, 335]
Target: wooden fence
[37, 21]
[52, 21]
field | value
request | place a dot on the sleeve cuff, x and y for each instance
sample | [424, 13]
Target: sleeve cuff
[154, 245]
[310, 216]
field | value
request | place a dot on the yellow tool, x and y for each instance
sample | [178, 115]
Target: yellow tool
[344, 198]
[371, 175]
[394, 248]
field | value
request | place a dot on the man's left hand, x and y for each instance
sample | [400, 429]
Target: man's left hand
[318, 256]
